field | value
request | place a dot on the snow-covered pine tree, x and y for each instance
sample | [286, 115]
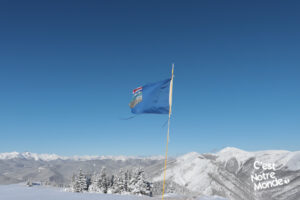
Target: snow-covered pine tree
[126, 181]
[94, 183]
[72, 182]
[119, 183]
[75, 185]
[132, 180]
[122, 183]
[129, 174]
[111, 181]
[103, 183]
[110, 184]
[82, 179]
[88, 180]
[139, 185]
[79, 182]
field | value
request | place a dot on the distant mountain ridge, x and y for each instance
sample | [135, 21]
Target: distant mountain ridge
[51, 157]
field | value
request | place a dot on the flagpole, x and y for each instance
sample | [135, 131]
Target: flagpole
[168, 133]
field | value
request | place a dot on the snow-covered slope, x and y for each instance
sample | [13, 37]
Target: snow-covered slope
[227, 173]
[290, 160]
[21, 192]
[191, 170]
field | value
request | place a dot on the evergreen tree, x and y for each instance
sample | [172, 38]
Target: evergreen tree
[139, 185]
[111, 184]
[133, 180]
[119, 183]
[94, 183]
[79, 183]
[112, 181]
[103, 183]
[75, 186]
[82, 179]
[122, 183]
[126, 181]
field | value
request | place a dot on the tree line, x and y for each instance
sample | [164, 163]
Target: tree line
[123, 182]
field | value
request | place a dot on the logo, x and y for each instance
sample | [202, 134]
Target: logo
[264, 176]
[137, 97]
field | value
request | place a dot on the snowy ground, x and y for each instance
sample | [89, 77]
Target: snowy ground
[22, 192]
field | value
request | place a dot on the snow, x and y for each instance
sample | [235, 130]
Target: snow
[22, 192]
[280, 157]
[187, 168]
[11, 155]
[230, 152]
[192, 170]
[50, 157]
[28, 155]
[293, 162]
[290, 160]
[117, 158]
[211, 198]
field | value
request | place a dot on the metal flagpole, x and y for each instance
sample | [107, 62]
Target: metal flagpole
[168, 133]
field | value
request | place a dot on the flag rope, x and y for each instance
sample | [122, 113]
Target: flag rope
[168, 133]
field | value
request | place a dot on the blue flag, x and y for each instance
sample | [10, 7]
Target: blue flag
[151, 98]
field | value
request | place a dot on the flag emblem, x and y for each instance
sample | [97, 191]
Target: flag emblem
[137, 97]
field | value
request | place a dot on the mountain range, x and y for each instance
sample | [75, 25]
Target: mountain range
[231, 173]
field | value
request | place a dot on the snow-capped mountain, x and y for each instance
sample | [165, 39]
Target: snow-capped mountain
[28, 155]
[290, 160]
[51, 157]
[229, 173]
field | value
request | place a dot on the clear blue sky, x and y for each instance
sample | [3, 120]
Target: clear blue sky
[67, 69]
